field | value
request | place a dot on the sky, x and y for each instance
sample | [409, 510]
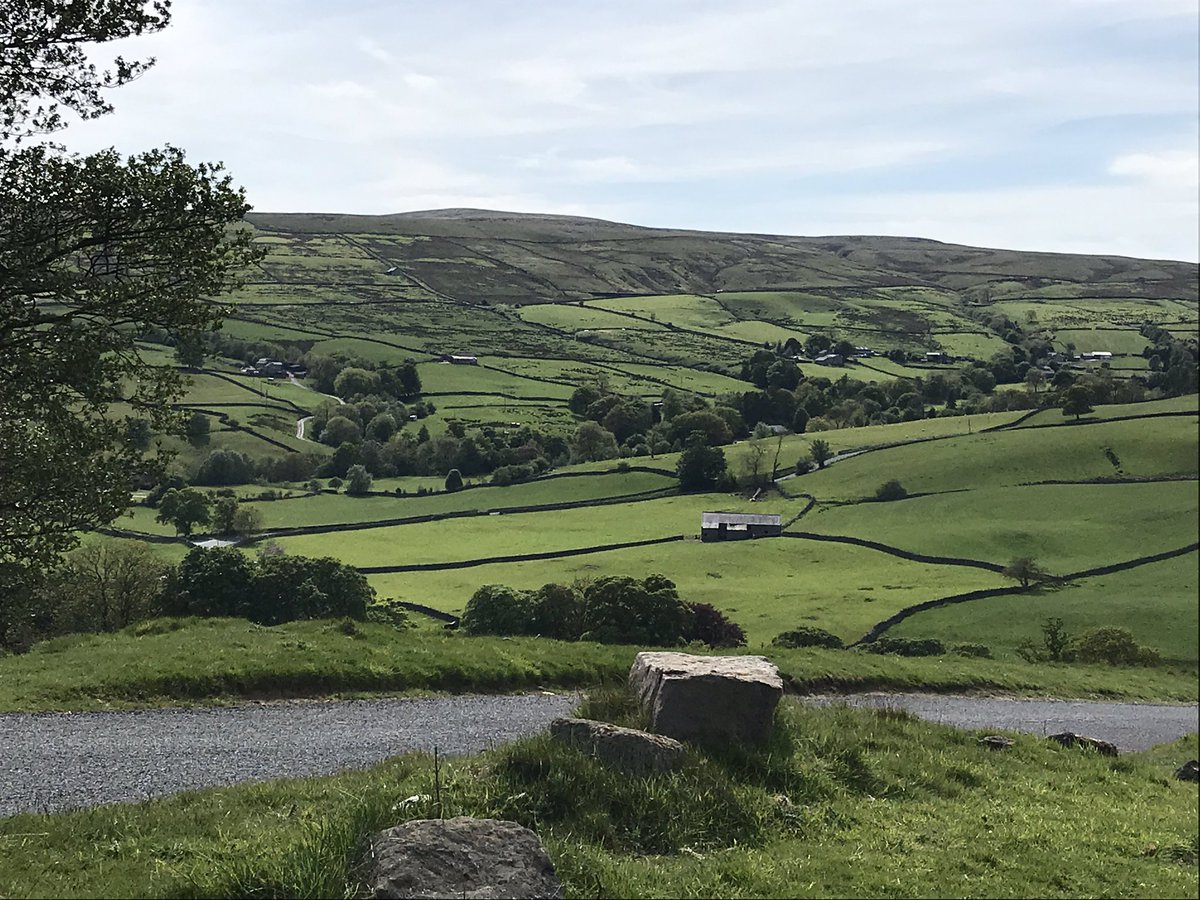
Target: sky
[1064, 125]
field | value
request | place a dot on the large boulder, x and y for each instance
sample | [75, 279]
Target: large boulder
[707, 699]
[486, 859]
[627, 749]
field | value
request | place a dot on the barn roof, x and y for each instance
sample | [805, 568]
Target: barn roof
[712, 520]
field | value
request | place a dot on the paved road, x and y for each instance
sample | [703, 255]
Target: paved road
[56, 761]
[1131, 726]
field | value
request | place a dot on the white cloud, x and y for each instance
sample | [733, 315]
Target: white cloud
[1171, 168]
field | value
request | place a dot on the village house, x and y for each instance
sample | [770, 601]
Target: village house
[738, 526]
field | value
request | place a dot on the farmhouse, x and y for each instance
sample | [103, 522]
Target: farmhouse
[738, 526]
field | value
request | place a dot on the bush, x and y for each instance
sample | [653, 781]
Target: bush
[804, 466]
[1114, 646]
[358, 481]
[907, 647]
[623, 610]
[557, 612]
[711, 626]
[980, 651]
[890, 490]
[382, 612]
[808, 636]
[454, 480]
[496, 609]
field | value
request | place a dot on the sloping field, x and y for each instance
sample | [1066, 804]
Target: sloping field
[1156, 602]
[766, 586]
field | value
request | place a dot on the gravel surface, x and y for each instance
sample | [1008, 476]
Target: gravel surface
[1131, 726]
[55, 761]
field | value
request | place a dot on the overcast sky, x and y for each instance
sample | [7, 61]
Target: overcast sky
[1034, 124]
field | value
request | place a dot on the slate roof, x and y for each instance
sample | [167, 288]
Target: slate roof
[712, 520]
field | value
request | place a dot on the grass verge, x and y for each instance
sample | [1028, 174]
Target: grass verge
[187, 661]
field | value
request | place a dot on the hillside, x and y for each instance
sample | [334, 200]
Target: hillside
[487, 256]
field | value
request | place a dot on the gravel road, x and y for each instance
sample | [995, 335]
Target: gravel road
[54, 761]
[1131, 726]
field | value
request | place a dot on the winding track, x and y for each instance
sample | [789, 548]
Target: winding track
[56, 761]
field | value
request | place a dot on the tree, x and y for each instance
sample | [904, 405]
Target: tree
[890, 490]
[1024, 569]
[496, 609]
[224, 511]
[184, 508]
[454, 480]
[358, 481]
[353, 382]
[754, 462]
[107, 585]
[1076, 401]
[820, 452]
[95, 251]
[623, 610]
[1034, 379]
[247, 521]
[593, 442]
[700, 466]
[340, 430]
[711, 424]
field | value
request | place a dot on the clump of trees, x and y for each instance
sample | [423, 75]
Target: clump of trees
[617, 609]
[270, 590]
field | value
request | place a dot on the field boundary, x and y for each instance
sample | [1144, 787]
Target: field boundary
[880, 628]
[518, 557]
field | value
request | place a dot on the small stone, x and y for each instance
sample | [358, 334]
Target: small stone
[633, 752]
[996, 742]
[480, 859]
[1070, 739]
[1189, 771]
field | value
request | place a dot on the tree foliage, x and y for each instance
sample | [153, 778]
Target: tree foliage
[95, 250]
[185, 508]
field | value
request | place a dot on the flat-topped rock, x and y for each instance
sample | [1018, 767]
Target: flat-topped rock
[627, 749]
[482, 859]
[707, 699]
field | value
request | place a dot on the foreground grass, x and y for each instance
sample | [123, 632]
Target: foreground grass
[172, 662]
[843, 803]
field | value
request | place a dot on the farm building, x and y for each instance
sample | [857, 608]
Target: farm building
[1096, 355]
[937, 356]
[460, 359]
[830, 359]
[738, 526]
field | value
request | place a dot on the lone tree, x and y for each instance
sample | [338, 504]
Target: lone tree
[1077, 400]
[95, 251]
[184, 508]
[700, 466]
[820, 452]
[1026, 570]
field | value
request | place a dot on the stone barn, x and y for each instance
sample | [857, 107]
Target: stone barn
[738, 526]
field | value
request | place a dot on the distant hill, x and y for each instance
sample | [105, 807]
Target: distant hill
[490, 256]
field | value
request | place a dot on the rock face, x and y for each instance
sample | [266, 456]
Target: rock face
[633, 752]
[1070, 739]
[1189, 771]
[486, 859]
[707, 699]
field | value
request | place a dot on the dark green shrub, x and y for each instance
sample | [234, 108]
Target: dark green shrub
[808, 636]
[557, 612]
[980, 651]
[496, 609]
[907, 647]
[890, 490]
[1114, 646]
[712, 627]
[623, 610]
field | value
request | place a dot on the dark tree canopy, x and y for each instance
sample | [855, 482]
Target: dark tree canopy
[95, 250]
